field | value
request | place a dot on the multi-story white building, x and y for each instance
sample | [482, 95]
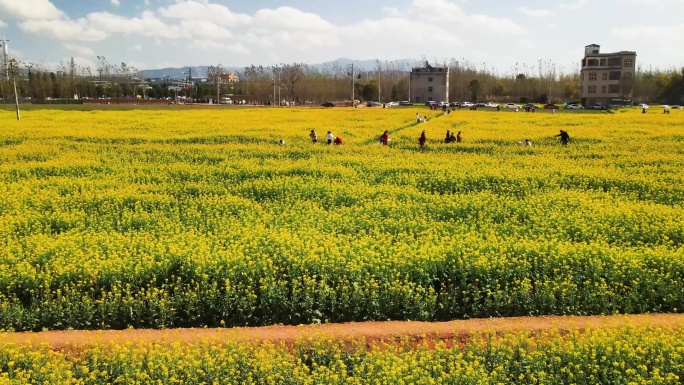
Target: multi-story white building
[606, 76]
[429, 84]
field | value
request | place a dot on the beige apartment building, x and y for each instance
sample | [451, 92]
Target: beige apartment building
[606, 77]
[429, 84]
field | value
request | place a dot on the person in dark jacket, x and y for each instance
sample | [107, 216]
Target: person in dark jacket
[422, 140]
[564, 137]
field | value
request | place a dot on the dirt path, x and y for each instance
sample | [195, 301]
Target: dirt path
[370, 330]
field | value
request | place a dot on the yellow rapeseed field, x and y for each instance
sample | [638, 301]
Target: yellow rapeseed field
[169, 218]
[625, 355]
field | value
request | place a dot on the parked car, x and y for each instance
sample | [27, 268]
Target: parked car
[573, 106]
[677, 107]
[454, 104]
[392, 104]
[597, 106]
[467, 104]
[491, 105]
[328, 104]
[481, 104]
[405, 103]
[443, 104]
[430, 103]
[666, 107]
[643, 105]
[551, 107]
[511, 105]
[530, 105]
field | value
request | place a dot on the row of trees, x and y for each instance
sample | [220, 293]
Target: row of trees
[302, 83]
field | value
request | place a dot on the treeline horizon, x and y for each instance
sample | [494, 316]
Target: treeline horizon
[307, 84]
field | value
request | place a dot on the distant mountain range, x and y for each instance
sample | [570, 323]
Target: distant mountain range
[201, 72]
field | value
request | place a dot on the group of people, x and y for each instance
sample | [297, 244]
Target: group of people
[451, 138]
[419, 118]
[332, 139]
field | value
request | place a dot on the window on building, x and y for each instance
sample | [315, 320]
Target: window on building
[592, 62]
[615, 75]
[614, 61]
[430, 79]
[591, 89]
[429, 98]
[627, 75]
[604, 76]
[604, 88]
[429, 89]
[628, 62]
[592, 75]
[614, 88]
[602, 62]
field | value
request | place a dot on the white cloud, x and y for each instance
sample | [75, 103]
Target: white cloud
[3, 24]
[63, 29]
[137, 47]
[393, 12]
[205, 11]
[648, 33]
[574, 6]
[535, 12]
[80, 50]
[656, 2]
[290, 19]
[116, 3]
[29, 9]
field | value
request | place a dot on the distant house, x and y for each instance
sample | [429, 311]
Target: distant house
[606, 76]
[429, 84]
[226, 77]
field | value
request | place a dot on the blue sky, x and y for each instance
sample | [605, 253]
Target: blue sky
[500, 35]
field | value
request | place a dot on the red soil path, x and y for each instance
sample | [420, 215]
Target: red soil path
[371, 331]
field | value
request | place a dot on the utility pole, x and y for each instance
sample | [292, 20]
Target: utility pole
[379, 88]
[410, 76]
[279, 99]
[352, 86]
[142, 81]
[189, 82]
[5, 57]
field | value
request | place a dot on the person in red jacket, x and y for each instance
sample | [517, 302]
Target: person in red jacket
[384, 138]
[338, 141]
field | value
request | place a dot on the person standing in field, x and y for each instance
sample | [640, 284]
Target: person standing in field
[564, 137]
[330, 138]
[417, 117]
[422, 140]
[313, 136]
[458, 137]
[384, 138]
[448, 137]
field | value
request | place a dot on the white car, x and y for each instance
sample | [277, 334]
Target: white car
[666, 107]
[467, 104]
[574, 106]
[491, 105]
[643, 105]
[392, 104]
[512, 105]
